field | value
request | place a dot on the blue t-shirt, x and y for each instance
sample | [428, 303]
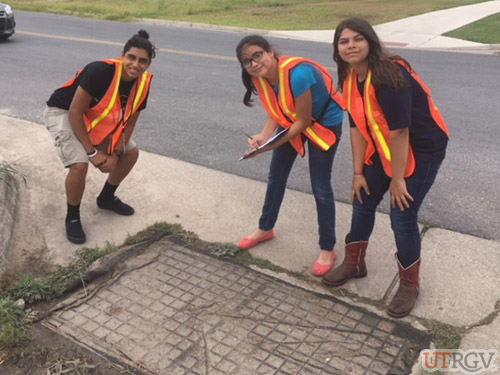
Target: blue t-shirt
[409, 108]
[306, 76]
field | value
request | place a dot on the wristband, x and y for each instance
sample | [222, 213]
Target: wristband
[358, 174]
[92, 154]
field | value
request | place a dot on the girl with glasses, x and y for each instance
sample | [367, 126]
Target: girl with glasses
[298, 95]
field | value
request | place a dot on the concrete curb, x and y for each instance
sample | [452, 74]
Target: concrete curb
[8, 197]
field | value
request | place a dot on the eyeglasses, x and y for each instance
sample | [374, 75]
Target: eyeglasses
[256, 57]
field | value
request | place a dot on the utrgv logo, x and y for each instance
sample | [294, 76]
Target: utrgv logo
[472, 361]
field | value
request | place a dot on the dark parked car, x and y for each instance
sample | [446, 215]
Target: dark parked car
[7, 22]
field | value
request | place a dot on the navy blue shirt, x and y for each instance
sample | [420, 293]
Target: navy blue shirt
[409, 108]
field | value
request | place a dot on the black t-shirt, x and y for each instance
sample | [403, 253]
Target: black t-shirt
[95, 79]
[409, 108]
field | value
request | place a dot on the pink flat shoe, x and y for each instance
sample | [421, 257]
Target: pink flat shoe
[322, 269]
[247, 243]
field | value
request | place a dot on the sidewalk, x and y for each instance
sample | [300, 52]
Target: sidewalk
[460, 275]
[423, 31]
[458, 289]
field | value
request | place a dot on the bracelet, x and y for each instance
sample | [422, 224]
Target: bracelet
[92, 154]
[358, 174]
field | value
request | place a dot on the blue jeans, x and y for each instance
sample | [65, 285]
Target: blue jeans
[320, 168]
[403, 223]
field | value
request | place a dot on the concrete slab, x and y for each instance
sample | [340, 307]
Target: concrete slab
[483, 336]
[219, 207]
[178, 311]
[460, 278]
[442, 21]
[8, 198]
[422, 31]
[445, 42]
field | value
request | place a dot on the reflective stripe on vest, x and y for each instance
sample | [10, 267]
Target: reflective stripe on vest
[115, 89]
[107, 118]
[282, 108]
[436, 115]
[108, 111]
[367, 113]
[369, 94]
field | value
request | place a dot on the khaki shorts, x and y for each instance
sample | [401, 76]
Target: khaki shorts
[69, 148]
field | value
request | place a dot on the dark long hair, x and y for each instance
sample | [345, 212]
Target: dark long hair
[246, 78]
[380, 61]
[141, 40]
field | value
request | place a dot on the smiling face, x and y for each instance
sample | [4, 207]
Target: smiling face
[258, 62]
[135, 62]
[353, 48]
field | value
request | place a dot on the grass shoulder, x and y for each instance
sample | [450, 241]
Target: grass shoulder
[257, 14]
[483, 31]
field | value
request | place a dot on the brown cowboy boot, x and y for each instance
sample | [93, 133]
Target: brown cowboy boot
[403, 301]
[352, 267]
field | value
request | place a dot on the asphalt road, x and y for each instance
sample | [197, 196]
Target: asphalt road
[195, 112]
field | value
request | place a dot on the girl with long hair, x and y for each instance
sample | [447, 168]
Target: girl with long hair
[298, 95]
[398, 140]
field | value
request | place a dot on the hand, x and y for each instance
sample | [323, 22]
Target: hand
[98, 160]
[109, 164]
[358, 183]
[257, 140]
[399, 194]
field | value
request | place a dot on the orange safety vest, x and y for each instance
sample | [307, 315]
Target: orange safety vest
[367, 113]
[107, 119]
[282, 107]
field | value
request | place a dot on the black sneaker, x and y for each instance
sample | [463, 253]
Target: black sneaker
[116, 205]
[74, 231]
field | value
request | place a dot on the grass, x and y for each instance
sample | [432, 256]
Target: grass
[444, 335]
[224, 249]
[169, 230]
[13, 331]
[32, 290]
[7, 173]
[260, 14]
[482, 31]
[68, 276]
[15, 327]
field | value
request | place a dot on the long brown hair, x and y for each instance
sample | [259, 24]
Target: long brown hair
[246, 78]
[385, 70]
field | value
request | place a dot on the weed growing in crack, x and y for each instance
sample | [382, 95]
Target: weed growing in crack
[13, 331]
[32, 290]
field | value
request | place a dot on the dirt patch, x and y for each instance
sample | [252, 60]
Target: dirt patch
[50, 353]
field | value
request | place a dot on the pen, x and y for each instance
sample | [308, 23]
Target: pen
[248, 135]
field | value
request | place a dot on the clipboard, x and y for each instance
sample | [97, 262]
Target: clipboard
[261, 148]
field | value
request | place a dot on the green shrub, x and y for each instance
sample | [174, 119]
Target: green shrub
[68, 275]
[32, 290]
[224, 249]
[13, 331]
